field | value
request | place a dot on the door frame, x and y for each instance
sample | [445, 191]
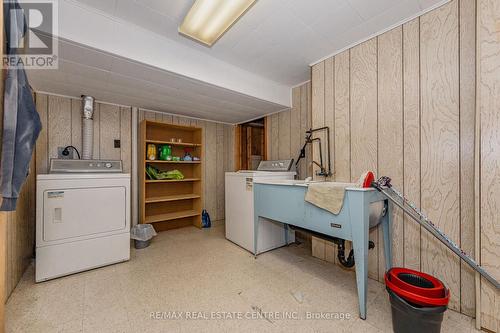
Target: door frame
[238, 147]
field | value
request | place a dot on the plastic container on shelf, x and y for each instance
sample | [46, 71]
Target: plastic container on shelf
[151, 152]
[165, 152]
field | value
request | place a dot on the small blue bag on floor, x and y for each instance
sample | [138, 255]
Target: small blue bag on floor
[205, 219]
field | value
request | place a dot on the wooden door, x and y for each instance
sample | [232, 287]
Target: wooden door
[250, 142]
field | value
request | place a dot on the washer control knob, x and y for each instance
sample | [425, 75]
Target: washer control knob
[108, 165]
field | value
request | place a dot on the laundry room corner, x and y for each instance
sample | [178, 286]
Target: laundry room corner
[250, 166]
[62, 120]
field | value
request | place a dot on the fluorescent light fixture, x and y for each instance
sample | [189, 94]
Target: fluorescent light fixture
[208, 20]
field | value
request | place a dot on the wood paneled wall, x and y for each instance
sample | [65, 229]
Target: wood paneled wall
[62, 126]
[219, 157]
[3, 215]
[62, 122]
[17, 228]
[488, 104]
[21, 233]
[286, 130]
[402, 105]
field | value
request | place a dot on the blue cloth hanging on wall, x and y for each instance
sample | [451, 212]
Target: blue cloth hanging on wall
[21, 122]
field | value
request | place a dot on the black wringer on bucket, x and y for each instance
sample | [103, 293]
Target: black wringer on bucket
[418, 300]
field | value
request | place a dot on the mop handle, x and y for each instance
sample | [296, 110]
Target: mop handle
[384, 185]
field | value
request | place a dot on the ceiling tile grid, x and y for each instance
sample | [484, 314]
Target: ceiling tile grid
[305, 30]
[118, 80]
[275, 39]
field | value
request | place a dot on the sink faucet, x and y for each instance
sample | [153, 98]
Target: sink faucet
[310, 140]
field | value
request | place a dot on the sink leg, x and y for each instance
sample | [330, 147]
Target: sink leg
[360, 212]
[285, 227]
[387, 231]
[255, 235]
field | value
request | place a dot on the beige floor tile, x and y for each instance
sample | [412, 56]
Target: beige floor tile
[365, 327]
[74, 326]
[113, 319]
[379, 312]
[198, 271]
[454, 322]
[156, 326]
[101, 293]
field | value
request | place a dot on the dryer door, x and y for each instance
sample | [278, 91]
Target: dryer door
[78, 212]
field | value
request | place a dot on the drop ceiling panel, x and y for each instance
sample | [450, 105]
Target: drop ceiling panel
[139, 71]
[171, 8]
[94, 29]
[107, 6]
[111, 78]
[275, 40]
[369, 9]
[429, 3]
[306, 30]
[308, 11]
[244, 28]
[184, 89]
[55, 87]
[142, 15]
[83, 71]
[84, 55]
[346, 18]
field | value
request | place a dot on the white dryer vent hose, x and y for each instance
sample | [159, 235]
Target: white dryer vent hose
[87, 127]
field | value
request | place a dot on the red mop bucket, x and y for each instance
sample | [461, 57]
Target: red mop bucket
[417, 287]
[418, 301]
[417, 282]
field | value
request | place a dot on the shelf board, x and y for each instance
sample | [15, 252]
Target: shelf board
[173, 180]
[172, 126]
[171, 216]
[181, 144]
[173, 162]
[168, 198]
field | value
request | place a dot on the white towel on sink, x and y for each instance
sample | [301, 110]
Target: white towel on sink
[330, 195]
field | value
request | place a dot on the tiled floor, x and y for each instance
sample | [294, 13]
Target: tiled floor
[197, 273]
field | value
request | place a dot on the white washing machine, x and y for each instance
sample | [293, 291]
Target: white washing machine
[239, 207]
[82, 217]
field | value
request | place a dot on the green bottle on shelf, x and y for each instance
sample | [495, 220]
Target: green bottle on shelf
[166, 153]
[169, 152]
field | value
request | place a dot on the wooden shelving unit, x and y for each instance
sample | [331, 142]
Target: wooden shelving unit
[171, 216]
[174, 197]
[173, 180]
[171, 203]
[180, 144]
[174, 162]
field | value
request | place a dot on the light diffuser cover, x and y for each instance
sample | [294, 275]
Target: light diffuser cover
[208, 20]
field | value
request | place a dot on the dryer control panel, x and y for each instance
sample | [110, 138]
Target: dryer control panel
[85, 166]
